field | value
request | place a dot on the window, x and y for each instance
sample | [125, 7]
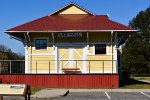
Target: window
[100, 48]
[41, 43]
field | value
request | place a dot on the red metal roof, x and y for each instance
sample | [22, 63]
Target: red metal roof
[71, 22]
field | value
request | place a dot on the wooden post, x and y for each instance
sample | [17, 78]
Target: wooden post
[10, 66]
[103, 66]
[28, 92]
[49, 66]
[1, 97]
[26, 97]
[89, 67]
[36, 66]
[112, 49]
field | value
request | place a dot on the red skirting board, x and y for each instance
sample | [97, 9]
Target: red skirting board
[64, 80]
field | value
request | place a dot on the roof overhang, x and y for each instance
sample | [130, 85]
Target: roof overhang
[72, 31]
[20, 35]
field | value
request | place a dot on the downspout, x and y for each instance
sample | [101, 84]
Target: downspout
[30, 52]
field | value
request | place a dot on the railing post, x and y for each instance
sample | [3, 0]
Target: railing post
[103, 66]
[10, 66]
[62, 66]
[117, 66]
[36, 66]
[49, 66]
[112, 65]
[20, 67]
[89, 67]
[76, 66]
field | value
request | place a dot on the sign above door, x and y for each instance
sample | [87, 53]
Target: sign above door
[70, 34]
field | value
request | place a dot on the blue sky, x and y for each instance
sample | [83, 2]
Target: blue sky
[16, 12]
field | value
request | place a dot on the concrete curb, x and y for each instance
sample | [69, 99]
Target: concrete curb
[50, 93]
[109, 90]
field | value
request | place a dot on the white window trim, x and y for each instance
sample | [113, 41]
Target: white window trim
[93, 53]
[34, 48]
[107, 50]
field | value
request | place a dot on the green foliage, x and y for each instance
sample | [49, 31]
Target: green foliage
[34, 90]
[136, 55]
[142, 23]
[8, 54]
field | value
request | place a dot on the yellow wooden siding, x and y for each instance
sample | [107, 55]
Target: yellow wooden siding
[34, 36]
[101, 66]
[63, 64]
[73, 10]
[110, 48]
[41, 63]
[63, 55]
[78, 64]
[78, 53]
[49, 49]
[91, 48]
[100, 57]
[94, 65]
[99, 37]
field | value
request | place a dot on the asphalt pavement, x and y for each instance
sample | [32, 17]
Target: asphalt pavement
[95, 96]
[105, 96]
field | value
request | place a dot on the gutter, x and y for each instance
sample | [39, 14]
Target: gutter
[75, 31]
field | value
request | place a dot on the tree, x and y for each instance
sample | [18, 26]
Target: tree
[142, 23]
[9, 54]
[136, 55]
[136, 58]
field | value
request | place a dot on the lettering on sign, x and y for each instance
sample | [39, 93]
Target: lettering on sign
[70, 34]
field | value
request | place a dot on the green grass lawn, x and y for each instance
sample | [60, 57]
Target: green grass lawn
[34, 90]
[142, 78]
[136, 86]
[133, 83]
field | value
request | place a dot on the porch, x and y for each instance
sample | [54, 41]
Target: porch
[63, 67]
[43, 74]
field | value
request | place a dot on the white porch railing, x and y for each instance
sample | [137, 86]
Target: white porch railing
[58, 67]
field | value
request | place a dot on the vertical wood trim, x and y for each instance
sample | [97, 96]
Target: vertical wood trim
[26, 59]
[112, 49]
[115, 52]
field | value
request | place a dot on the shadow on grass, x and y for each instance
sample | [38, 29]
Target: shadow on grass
[128, 81]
